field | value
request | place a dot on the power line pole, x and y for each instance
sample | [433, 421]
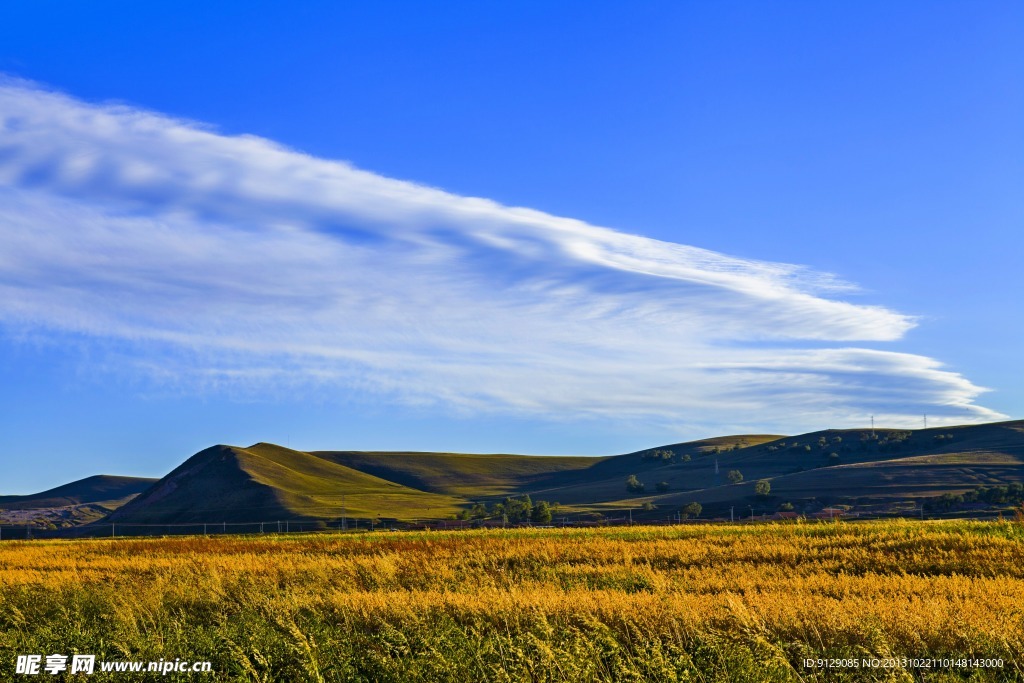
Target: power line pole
[732, 515]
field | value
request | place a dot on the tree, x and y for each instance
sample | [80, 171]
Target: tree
[634, 485]
[662, 486]
[648, 506]
[786, 507]
[541, 513]
[514, 509]
[734, 476]
[685, 457]
[763, 487]
[691, 510]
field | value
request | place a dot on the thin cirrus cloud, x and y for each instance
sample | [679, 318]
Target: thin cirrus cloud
[229, 261]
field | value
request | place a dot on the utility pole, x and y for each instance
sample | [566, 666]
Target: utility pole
[631, 516]
[751, 512]
[926, 421]
[872, 426]
[732, 516]
[344, 520]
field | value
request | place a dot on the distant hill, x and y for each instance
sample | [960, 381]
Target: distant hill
[74, 504]
[265, 482]
[102, 488]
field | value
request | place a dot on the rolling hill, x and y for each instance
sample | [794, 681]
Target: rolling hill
[265, 482]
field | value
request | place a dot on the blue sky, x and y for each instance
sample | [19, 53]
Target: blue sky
[500, 227]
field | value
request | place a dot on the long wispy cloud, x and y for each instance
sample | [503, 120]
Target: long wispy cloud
[233, 261]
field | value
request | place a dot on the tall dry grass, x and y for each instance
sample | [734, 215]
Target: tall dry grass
[635, 604]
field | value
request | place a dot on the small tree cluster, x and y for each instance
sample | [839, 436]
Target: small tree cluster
[634, 485]
[659, 455]
[691, 510]
[1010, 494]
[513, 510]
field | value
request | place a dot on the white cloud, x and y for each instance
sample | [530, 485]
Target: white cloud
[233, 261]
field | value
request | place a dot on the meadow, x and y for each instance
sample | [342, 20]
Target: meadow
[684, 603]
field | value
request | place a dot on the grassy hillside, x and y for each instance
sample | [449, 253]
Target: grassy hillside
[850, 466]
[266, 482]
[463, 474]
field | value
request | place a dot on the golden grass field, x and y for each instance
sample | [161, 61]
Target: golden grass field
[685, 603]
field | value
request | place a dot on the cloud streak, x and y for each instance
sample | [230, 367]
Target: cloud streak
[234, 261]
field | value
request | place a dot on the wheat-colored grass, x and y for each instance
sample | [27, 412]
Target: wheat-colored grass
[641, 604]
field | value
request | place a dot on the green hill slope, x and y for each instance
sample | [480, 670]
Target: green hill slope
[463, 474]
[266, 482]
